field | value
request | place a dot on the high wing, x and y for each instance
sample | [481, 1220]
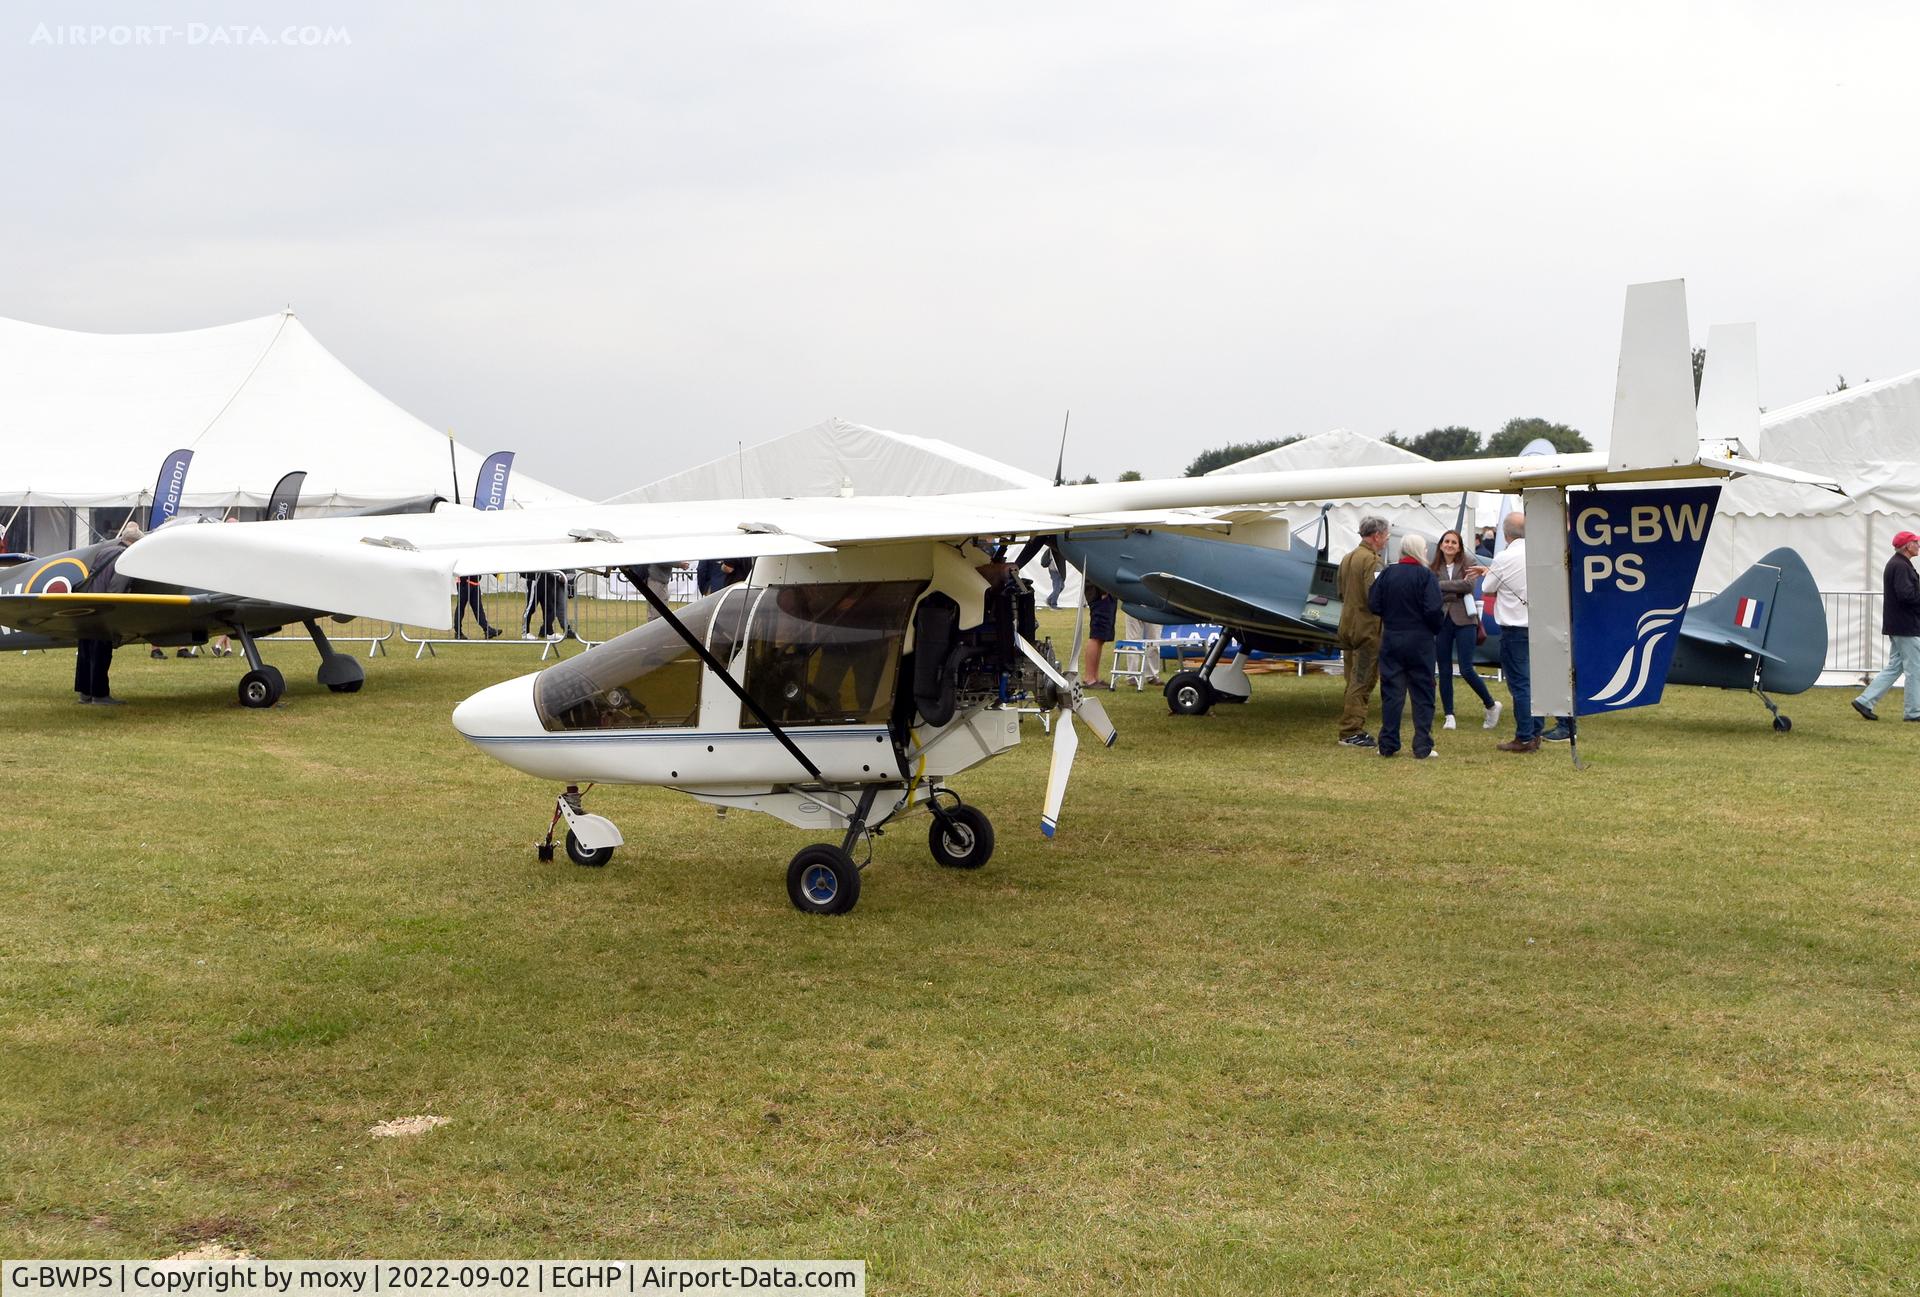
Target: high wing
[403, 570]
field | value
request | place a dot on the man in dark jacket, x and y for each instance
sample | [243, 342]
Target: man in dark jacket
[1900, 623]
[93, 658]
[1407, 599]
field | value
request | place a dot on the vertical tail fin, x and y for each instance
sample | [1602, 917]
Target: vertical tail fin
[1730, 388]
[1653, 420]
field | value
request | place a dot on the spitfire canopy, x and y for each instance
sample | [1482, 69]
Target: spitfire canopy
[87, 418]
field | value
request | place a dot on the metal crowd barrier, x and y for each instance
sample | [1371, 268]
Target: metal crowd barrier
[359, 630]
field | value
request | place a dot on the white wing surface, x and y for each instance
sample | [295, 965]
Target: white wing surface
[402, 567]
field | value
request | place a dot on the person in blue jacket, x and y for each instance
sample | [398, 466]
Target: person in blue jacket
[1406, 598]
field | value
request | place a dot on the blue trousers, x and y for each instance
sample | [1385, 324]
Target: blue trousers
[1406, 667]
[1903, 658]
[1513, 664]
[1457, 642]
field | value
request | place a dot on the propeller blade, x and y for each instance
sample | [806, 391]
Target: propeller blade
[1065, 744]
[1039, 659]
[1094, 717]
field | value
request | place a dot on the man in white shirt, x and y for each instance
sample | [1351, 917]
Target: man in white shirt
[1506, 581]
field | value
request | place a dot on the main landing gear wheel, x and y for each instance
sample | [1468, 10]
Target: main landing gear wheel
[350, 687]
[964, 840]
[823, 879]
[262, 687]
[1189, 694]
[580, 855]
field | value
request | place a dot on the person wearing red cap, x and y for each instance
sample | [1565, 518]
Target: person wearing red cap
[1900, 623]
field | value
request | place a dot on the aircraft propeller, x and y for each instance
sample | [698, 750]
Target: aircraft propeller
[1065, 741]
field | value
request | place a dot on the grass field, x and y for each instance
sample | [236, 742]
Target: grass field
[1268, 1016]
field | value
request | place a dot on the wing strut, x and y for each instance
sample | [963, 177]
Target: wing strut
[639, 578]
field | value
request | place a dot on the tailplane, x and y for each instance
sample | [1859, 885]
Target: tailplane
[1767, 630]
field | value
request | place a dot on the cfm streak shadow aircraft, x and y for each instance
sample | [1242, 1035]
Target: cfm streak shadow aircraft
[42, 606]
[1274, 591]
[878, 650]
[1766, 633]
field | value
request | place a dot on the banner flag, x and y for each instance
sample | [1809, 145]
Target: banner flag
[172, 484]
[490, 489]
[1632, 557]
[286, 495]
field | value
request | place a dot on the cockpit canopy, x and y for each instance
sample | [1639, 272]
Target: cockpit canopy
[825, 653]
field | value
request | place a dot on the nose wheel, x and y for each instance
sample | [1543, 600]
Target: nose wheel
[590, 839]
[961, 837]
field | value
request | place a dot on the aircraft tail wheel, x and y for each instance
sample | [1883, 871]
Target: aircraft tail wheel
[822, 879]
[964, 840]
[1781, 724]
[1189, 694]
[580, 855]
[261, 688]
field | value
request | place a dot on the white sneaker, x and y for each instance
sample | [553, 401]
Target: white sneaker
[1448, 723]
[1493, 717]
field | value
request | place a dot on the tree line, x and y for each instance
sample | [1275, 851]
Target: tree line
[1452, 442]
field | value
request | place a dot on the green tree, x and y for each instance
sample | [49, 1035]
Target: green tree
[1208, 460]
[1512, 439]
[1453, 442]
[1131, 475]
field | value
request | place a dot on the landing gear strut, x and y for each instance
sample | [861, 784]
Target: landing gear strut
[1191, 693]
[338, 672]
[590, 838]
[262, 685]
[1781, 721]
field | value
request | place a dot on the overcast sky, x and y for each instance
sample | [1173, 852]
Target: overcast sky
[619, 239]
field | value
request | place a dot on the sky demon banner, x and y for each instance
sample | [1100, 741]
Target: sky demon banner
[490, 488]
[169, 488]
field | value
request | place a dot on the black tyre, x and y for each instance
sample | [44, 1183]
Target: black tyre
[1189, 694]
[965, 839]
[1782, 724]
[579, 855]
[822, 879]
[350, 687]
[261, 688]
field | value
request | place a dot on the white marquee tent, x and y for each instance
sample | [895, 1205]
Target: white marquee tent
[1866, 438]
[836, 457]
[87, 418]
[1341, 448]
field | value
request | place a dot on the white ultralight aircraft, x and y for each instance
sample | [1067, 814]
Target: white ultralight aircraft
[880, 648]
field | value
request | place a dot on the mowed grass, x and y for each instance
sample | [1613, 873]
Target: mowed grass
[1268, 1016]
